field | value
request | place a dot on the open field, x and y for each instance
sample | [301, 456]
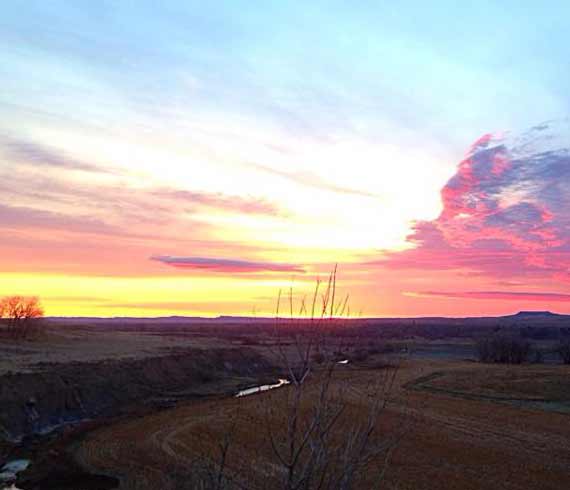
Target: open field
[88, 342]
[448, 442]
[145, 406]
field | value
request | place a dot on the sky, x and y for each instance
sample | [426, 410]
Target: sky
[194, 158]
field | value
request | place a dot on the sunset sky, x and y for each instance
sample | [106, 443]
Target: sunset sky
[192, 158]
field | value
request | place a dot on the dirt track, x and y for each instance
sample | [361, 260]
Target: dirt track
[453, 443]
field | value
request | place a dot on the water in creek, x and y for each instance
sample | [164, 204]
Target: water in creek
[262, 388]
[280, 382]
[9, 472]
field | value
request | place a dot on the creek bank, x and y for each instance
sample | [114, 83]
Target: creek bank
[45, 411]
[9, 472]
[55, 395]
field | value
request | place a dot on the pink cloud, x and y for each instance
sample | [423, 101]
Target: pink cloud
[505, 211]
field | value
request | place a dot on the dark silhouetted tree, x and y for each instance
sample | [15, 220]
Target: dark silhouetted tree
[21, 314]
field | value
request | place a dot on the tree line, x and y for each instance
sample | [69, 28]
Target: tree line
[512, 349]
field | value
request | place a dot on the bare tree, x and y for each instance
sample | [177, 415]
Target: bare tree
[317, 439]
[324, 446]
[20, 313]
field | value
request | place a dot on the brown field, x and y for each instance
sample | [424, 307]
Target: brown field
[452, 423]
[449, 441]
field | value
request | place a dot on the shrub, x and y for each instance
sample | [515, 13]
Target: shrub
[318, 357]
[504, 350]
[564, 351]
[538, 357]
[359, 355]
[380, 348]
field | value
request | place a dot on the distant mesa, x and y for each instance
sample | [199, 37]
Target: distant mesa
[536, 313]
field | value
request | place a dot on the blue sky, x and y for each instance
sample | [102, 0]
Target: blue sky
[442, 70]
[291, 133]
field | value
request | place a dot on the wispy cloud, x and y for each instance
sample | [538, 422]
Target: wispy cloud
[490, 295]
[17, 217]
[311, 180]
[225, 265]
[27, 152]
[179, 308]
[238, 204]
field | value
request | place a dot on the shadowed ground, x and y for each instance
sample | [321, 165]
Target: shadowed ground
[451, 442]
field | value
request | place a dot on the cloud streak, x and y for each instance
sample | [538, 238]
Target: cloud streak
[494, 295]
[225, 265]
[239, 204]
[31, 153]
[311, 180]
[17, 217]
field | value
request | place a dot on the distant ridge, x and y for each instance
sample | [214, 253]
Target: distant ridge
[536, 313]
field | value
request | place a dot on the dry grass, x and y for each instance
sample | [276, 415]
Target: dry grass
[83, 343]
[454, 443]
[521, 382]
